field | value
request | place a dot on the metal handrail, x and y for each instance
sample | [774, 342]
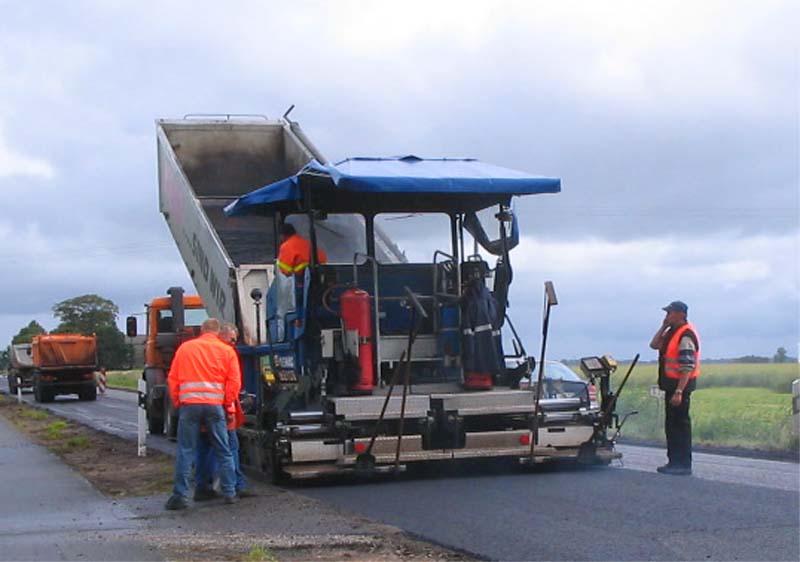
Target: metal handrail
[366, 257]
[227, 116]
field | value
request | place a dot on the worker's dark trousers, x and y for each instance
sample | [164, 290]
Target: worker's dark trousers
[678, 427]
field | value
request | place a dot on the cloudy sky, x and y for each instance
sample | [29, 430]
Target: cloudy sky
[673, 125]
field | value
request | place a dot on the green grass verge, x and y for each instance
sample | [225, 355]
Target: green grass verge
[260, 554]
[127, 380]
[77, 442]
[735, 405]
[772, 376]
[55, 430]
[33, 414]
[754, 418]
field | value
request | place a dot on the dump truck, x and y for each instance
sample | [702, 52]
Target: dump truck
[170, 321]
[368, 362]
[64, 364]
[20, 373]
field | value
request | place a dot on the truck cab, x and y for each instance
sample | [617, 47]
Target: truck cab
[170, 321]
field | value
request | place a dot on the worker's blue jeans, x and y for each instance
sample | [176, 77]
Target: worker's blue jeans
[205, 469]
[191, 417]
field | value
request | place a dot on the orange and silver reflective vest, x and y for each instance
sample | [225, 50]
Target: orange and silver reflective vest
[295, 254]
[204, 371]
[671, 358]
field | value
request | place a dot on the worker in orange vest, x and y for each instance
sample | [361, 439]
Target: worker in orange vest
[206, 467]
[678, 348]
[294, 255]
[204, 376]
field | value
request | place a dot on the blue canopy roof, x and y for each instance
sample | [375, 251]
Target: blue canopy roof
[397, 178]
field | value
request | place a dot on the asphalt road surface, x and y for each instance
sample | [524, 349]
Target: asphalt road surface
[48, 512]
[732, 509]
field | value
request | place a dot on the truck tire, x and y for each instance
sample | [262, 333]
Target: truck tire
[40, 393]
[89, 394]
[170, 421]
[37, 389]
[12, 387]
[270, 463]
[155, 423]
[154, 407]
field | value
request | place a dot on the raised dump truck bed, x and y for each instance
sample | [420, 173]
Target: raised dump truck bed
[205, 164]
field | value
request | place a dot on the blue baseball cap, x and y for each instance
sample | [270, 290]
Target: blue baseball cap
[676, 306]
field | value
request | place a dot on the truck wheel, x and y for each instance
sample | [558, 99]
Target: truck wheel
[37, 390]
[88, 394]
[170, 421]
[270, 464]
[155, 418]
[12, 388]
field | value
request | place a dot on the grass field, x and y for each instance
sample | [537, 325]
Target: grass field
[124, 379]
[735, 405]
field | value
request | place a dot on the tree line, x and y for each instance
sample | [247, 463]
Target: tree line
[85, 315]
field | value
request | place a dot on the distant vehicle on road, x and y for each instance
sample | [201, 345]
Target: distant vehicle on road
[21, 372]
[64, 364]
[562, 382]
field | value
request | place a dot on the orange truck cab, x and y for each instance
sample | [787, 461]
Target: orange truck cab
[171, 320]
[64, 364]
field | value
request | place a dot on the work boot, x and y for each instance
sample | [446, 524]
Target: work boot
[176, 502]
[674, 470]
[205, 494]
[231, 499]
[245, 493]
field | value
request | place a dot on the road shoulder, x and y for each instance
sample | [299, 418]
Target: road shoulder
[49, 512]
[276, 524]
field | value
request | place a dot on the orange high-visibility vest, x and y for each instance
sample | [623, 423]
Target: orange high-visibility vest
[671, 355]
[295, 254]
[205, 370]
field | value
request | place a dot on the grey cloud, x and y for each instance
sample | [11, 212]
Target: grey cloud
[702, 150]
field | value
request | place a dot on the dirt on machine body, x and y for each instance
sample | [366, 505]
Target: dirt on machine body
[366, 363]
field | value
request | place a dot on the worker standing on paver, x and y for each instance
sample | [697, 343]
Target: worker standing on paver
[203, 378]
[678, 348]
[206, 466]
[294, 255]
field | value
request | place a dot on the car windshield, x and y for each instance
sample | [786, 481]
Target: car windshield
[557, 370]
[560, 382]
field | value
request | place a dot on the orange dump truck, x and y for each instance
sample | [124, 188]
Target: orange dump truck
[64, 364]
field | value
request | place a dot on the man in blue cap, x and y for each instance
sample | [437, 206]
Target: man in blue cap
[678, 348]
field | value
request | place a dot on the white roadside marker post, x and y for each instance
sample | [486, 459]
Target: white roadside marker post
[141, 422]
[659, 394]
[19, 390]
[796, 405]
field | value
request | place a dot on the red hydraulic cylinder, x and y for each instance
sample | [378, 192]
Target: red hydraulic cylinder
[357, 315]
